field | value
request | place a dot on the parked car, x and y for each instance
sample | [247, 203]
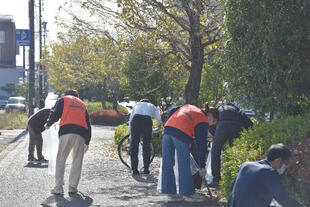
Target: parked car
[16, 104]
[249, 112]
[3, 101]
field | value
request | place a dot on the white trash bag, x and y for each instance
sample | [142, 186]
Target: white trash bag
[209, 176]
[52, 148]
[274, 203]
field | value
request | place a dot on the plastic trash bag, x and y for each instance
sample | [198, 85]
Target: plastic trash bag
[209, 176]
[193, 165]
[52, 148]
[274, 203]
[140, 158]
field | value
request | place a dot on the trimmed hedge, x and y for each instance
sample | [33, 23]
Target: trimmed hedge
[254, 143]
[97, 106]
[119, 132]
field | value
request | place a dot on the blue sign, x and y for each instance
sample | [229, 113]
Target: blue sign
[23, 37]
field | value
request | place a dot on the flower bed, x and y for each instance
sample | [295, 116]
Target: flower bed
[108, 117]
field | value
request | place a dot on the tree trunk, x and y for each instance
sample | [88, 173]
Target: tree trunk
[115, 103]
[271, 116]
[193, 84]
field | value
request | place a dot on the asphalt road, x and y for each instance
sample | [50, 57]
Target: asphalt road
[104, 182]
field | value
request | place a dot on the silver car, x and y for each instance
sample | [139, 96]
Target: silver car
[16, 104]
[3, 101]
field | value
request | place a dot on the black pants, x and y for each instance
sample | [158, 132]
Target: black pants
[225, 130]
[140, 126]
[35, 140]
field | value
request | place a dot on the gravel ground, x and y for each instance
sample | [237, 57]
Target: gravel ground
[105, 180]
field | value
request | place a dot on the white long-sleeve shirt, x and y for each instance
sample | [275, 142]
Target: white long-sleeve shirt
[146, 109]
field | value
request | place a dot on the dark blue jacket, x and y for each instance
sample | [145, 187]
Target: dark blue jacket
[256, 184]
[231, 113]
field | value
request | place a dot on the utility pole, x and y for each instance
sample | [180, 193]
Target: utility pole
[41, 99]
[31, 90]
[24, 63]
[45, 70]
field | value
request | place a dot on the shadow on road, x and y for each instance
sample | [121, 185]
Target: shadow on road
[19, 136]
[128, 193]
[143, 179]
[74, 200]
[36, 165]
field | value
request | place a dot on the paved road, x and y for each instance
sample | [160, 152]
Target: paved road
[105, 181]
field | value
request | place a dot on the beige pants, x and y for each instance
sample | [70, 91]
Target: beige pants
[67, 143]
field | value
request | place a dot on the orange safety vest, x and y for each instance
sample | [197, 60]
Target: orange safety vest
[186, 119]
[74, 112]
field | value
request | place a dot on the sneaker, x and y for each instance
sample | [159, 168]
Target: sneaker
[213, 184]
[174, 197]
[146, 172]
[194, 198]
[57, 191]
[42, 160]
[72, 189]
[135, 172]
[32, 159]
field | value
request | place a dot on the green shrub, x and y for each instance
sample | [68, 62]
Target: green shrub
[120, 132]
[97, 106]
[93, 106]
[122, 109]
[254, 143]
[13, 121]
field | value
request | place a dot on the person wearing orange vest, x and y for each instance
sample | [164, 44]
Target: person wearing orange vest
[74, 135]
[186, 125]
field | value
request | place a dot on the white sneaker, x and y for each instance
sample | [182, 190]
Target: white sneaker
[174, 197]
[57, 191]
[194, 198]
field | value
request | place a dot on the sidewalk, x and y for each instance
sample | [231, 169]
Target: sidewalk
[104, 182]
[10, 136]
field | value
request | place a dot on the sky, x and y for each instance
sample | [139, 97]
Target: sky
[19, 10]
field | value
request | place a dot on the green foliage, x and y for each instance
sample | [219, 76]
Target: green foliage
[188, 31]
[120, 131]
[87, 64]
[93, 106]
[97, 106]
[149, 75]
[214, 79]
[16, 89]
[13, 121]
[255, 142]
[268, 53]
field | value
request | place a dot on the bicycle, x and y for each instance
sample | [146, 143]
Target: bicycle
[123, 149]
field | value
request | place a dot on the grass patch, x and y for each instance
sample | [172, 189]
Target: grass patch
[13, 121]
